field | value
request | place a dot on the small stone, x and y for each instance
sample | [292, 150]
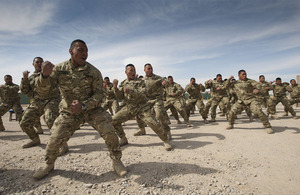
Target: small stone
[88, 185]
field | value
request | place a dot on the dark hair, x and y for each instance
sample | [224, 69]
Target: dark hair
[147, 65]
[7, 76]
[141, 76]
[240, 71]
[170, 77]
[278, 79]
[38, 58]
[192, 79]
[106, 78]
[76, 41]
[261, 76]
[129, 65]
[218, 75]
[292, 80]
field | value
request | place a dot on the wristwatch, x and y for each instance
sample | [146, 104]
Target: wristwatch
[83, 107]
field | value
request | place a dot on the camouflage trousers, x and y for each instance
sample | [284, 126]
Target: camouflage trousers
[213, 104]
[285, 102]
[179, 105]
[143, 114]
[292, 101]
[33, 113]
[111, 105]
[254, 107]
[268, 103]
[66, 124]
[5, 107]
[191, 104]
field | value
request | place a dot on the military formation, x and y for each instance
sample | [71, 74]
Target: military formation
[74, 92]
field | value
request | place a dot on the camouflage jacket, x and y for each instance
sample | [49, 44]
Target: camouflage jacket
[154, 87]
[263, 91]
[136, 98]
[244, 90]
[280, 90]
[82, 83]
[218, 89]
[295, 91]
[110, 93]
[32, 88]
[194, 91]
[9, 93]
[174, 88]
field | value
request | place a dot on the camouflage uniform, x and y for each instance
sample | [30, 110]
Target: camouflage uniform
[294, 96]
[136, 104]
[264, 98]
[10, 100]
[85, 84]
[244, 91]
[45, 101]
[279, 92]
[195, 98]
[111, 100]
[219, 94]
[155, 95]
[176, 100]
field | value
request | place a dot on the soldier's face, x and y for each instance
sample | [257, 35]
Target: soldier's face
[148, 70]
[278, 82]
[262, 79]
[293, 82]
[193, 81]
[170, 80]
[242, 76]
[130, 72]
[37, 63]
[219, 79]
[79, 54]
[106, 81]
[8, 80]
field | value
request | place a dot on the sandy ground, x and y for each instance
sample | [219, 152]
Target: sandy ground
[207, 159]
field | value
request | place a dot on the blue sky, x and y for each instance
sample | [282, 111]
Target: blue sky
[182, 38]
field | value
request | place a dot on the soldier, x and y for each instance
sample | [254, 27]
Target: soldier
[81, 87]
[10, 99]
[219, 94]
[245, 90]
[294, 95]
[264, 97]
[133, 91]
[279, 91]
[195, 97]
[111, 100]
[46, 103]
[174, 93]
[154, 87]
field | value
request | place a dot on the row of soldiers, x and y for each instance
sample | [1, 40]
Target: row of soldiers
[73, 92]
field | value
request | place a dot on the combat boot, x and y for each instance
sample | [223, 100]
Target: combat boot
[230, 126]
[251, 118]
[43, 171]
[63, 150]
[168, 146]
[119, 168]
[274, 116]
[39, 130]
[188, 124]
[34, 142]
[142, 131]
[285, 114]
[179, 122]
[212, 120]
[123, 141]
[295, 117]
[206, 121]
[270, 130]
[2, 128]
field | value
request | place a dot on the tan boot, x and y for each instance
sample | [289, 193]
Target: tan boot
[188, 124]
[251, 118]
[270, 130]
[2, 128]
[206, 121]
[123, 141]
[142, 131]
[63, 150]
[35, 142]
[229, 127]
[43, 171]
[212, 120]
[39, 130]
[274, 116]
[295, 117]
[119, 168]
[168, 146]
[285, 114]
[179, 122]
